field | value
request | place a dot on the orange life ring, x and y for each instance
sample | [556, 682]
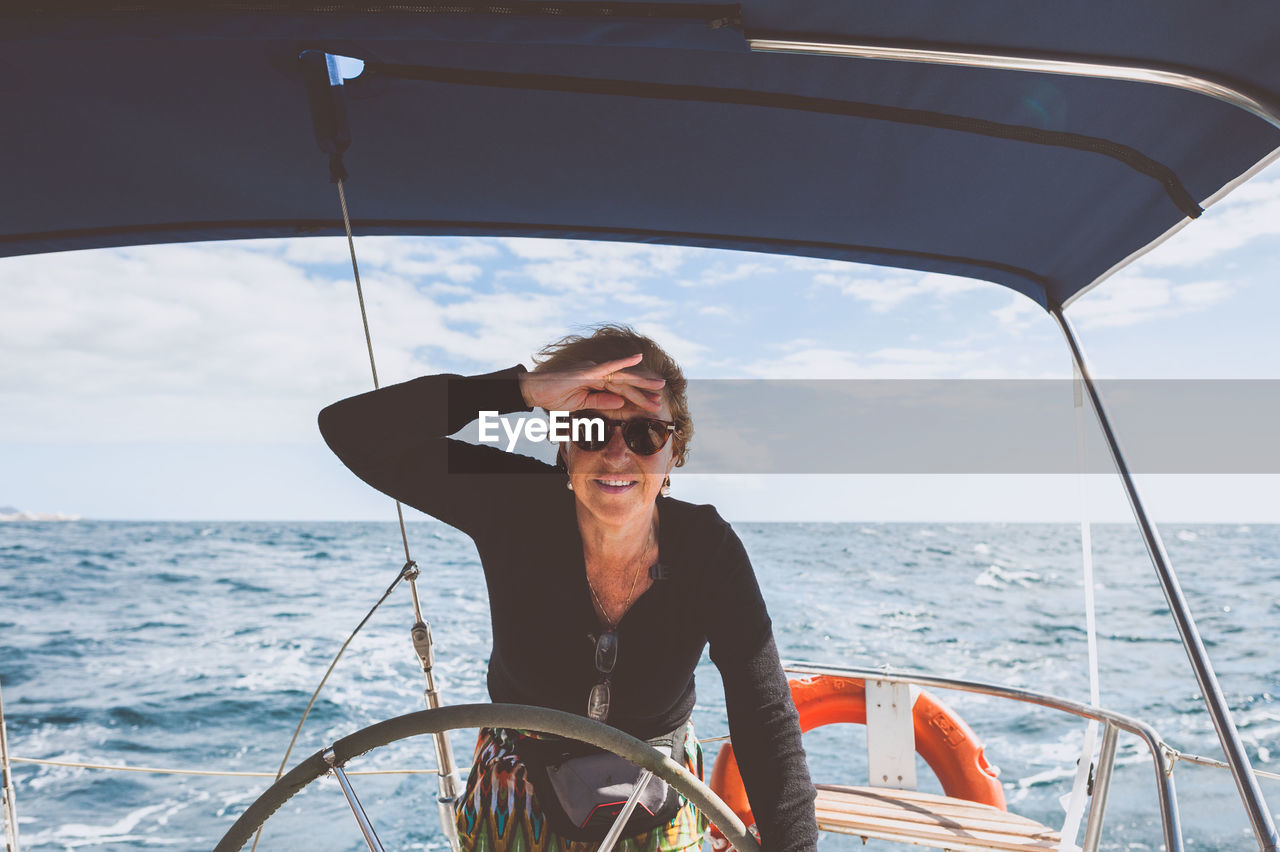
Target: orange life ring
[946, 743]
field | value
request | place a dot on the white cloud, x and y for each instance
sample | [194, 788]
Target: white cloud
[688, 354]
[796, 344]
[805, 360]
[453, 259]
[884, 293]
[721, 273]
[1132, 299]
[596, 270]
[818, 264]
[1201, 293]
[810, 363]
[1017, 314]
[935, 283]
[246, 341]
[1250, 212]
[232, 341]
[1128, 300]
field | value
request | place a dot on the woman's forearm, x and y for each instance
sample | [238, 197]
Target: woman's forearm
[394, 439]
[388, 421]
[763, 721]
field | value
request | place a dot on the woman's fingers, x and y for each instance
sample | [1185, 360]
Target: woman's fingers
[604, 368]
[602, 401]
[641, 390]
[616, 371]
[647, 400]
[645, 382]
[607, 385]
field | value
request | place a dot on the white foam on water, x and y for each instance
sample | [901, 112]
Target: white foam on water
[74, 835]
[999, 577]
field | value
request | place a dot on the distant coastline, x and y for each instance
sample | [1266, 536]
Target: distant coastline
[9, 513]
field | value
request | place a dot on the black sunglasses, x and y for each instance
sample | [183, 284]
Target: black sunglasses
[644, 436]
[606, 658]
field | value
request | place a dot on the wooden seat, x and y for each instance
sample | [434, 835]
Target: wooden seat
[925, 819]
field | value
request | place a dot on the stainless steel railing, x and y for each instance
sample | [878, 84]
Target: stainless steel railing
[1112, 722]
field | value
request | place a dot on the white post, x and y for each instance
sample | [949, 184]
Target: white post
[891, 736]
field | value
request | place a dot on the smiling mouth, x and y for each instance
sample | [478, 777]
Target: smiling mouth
[614, 486]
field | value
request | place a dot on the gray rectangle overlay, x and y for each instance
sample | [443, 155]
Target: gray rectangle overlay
[972, 426]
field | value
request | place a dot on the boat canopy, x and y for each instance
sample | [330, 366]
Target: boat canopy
[860, 131]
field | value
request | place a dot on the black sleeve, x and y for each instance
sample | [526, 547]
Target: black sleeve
[394, 439]
[763, 723]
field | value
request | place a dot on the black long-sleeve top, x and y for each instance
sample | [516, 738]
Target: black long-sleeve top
[524, 524]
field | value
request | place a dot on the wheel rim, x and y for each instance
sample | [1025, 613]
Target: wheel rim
[443, 719]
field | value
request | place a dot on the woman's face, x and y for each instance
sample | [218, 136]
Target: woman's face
[615, 484]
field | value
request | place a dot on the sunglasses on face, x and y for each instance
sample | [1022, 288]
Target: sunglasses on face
[643, 436]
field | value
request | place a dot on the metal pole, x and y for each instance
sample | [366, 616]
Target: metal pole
[366, 827]
[1264, 828]
[447, 778]
[1101, 788]
[8, 803]
[615, 830]
[1170, 819]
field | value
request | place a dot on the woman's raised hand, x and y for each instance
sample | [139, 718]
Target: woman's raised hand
[597, 386]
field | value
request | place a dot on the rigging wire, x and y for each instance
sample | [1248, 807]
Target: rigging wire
[1175, 756]
[368, 341]
[400, 576]
[408, 566]
[226, 773]
[160, 770]
[449, 778]
[409, 571]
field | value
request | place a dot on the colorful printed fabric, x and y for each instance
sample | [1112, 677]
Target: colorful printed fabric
[499, 811]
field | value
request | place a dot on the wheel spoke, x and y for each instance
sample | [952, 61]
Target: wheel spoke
[615, 830]
[366, 827]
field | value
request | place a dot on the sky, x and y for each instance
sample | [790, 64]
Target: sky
[183, 381]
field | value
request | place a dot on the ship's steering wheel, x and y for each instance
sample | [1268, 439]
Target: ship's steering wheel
[443, 719]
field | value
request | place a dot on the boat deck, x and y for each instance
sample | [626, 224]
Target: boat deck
[926, 819]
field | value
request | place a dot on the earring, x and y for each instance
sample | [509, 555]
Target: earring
[665, 490]
[568, 483]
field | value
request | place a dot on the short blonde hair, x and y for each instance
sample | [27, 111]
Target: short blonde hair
[609, 342]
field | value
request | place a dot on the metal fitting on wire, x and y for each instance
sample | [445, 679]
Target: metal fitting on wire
[421, 634]
[328, 102]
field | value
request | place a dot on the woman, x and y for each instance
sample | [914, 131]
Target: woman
[603, 591]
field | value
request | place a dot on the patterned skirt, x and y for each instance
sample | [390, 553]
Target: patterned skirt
[499, 812]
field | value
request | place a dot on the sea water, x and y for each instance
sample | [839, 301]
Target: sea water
[197, 645]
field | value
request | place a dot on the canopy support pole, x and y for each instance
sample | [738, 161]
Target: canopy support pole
[1246, 783]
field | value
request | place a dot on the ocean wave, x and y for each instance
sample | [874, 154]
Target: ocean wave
[999, 577]
[189, 666]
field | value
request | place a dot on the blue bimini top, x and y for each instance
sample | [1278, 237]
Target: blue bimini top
[883, 132]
